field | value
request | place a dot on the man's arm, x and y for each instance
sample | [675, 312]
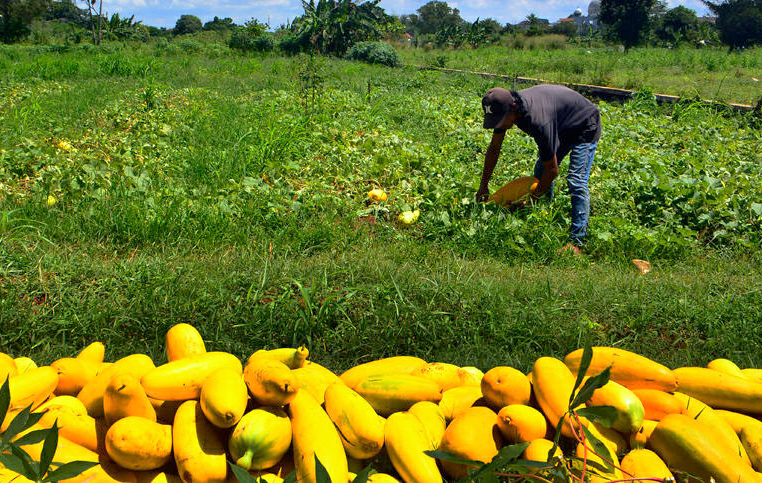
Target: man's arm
[549, 173]
[490, 160]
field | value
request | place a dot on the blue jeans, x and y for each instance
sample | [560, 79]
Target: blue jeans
[580, 161]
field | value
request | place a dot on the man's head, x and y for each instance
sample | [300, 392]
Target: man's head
[496, 103]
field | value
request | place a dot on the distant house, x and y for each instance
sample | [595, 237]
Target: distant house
[584, 22]
[525, 24]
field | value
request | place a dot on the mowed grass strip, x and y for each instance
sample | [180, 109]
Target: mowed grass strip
[376, 298]
[686, 71]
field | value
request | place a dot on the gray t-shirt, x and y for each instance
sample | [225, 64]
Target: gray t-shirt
[557, 118]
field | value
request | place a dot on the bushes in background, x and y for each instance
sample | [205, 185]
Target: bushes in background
[375, 53]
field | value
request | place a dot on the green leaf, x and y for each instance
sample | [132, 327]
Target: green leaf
[17, 425]
[69, 470]
[604, 235]
[32, 437]
[12, 462]
[595, 382]
[532, 464]
[290, 478]
[447, 456]
[605, 415]
[26, 463]
[49, 448]
[756, 208]
[362, 476]
[488, 477]
[321, 474]
[34, 418]
[601, 449]
[5, 399]
[241, 474]
[584, 364]
[504, 457]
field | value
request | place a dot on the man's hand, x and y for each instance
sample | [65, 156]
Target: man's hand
[482, 194]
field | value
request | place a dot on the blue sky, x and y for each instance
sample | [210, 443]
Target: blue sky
[164, 13]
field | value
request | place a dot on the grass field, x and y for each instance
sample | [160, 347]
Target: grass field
[708, 73]
[144, 187]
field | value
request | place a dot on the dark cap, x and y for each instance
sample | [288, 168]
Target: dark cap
[495, 104]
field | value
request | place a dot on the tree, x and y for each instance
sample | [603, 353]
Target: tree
[564, 28]
[67, 11]
[536, 25]
[119, 28]
[738, 21]
[16, 16]
[220, 24]
[492, 27]
[91, 9]
[157, 31]
[435, 15]
[411, 23]
[333, 26]
[187, 24]
[626, 20]
[679, 23]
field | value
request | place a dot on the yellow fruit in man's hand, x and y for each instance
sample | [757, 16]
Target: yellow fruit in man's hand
[377, 195]
[409, 217]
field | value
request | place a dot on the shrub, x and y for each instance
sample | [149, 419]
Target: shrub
[243, 39]
[190, 46]
[375, 53]
[217, 50]
[161, 43]
[292, 43]
[264, 43]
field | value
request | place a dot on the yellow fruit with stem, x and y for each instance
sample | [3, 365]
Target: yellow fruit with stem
[261, 438]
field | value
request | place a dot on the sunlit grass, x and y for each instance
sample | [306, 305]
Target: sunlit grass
[208, 189]
[707, 73]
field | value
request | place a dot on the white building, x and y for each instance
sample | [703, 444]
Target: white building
[585, 22]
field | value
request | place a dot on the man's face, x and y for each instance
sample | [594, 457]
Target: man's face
[508, 120]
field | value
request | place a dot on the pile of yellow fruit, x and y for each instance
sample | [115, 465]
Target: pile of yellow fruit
[278, 412]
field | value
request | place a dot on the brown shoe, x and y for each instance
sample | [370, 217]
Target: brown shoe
[570, 248]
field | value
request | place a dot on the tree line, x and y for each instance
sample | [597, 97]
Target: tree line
[333, 26]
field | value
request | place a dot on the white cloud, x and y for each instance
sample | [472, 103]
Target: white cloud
[478, 4]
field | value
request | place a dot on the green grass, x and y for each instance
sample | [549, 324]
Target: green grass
[707, 73]
[206, 188]
[372, 299]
